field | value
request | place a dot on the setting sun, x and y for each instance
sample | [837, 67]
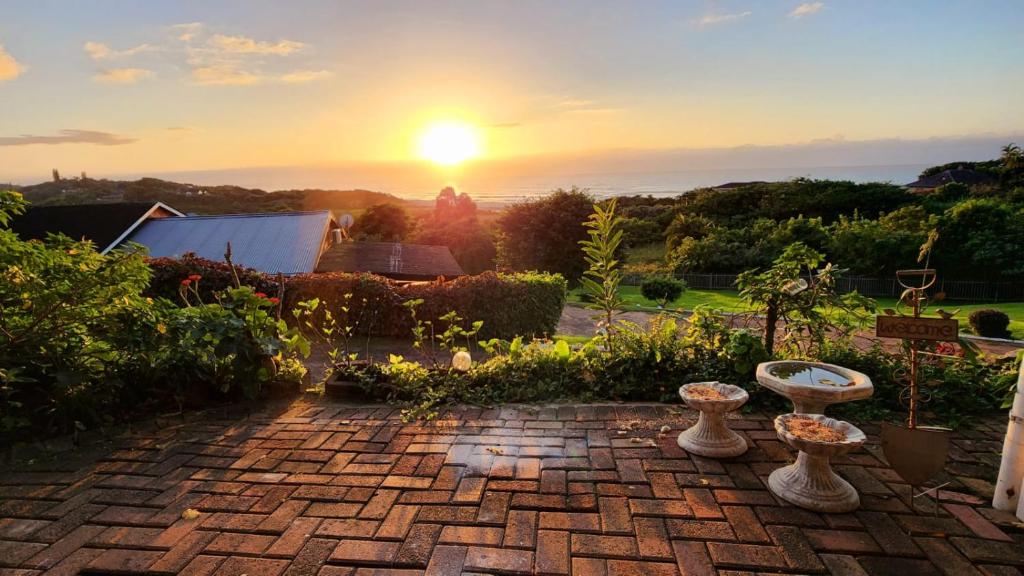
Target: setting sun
[449, 143]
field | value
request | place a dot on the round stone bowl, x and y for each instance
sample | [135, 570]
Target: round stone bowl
[710, 436]
[812, 386]
[810, 482]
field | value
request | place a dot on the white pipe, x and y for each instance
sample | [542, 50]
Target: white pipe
[1011, 469]
[1020, 505]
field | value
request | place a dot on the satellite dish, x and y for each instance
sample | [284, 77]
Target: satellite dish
[346, 221]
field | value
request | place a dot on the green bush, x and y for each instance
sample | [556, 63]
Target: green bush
[663, 290]
[509, 305]
[990, 322]
[81, 346]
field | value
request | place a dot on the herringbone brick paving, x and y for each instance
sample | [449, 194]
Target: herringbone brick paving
[322, 488]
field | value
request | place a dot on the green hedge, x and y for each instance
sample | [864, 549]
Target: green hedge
[168, 274]
[520, 304]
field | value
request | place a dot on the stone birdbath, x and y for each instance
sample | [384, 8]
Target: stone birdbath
[812, 386]
[810, 482]
[710, 436]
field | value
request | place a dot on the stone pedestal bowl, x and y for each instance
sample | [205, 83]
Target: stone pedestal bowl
[813, 385]
[710, 436]
[810, 482]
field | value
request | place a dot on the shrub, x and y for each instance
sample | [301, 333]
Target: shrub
[990, 322]
[167, 274]
[509, 305]
[81, 346]
[662, 289]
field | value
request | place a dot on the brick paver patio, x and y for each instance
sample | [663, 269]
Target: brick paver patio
[323, 488]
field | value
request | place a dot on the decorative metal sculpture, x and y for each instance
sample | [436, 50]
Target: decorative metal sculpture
[917, 453]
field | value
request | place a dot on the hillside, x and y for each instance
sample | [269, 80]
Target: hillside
[200, 199]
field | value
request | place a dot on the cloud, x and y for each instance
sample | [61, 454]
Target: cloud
[100, 51]
[300, 76]
[185, 32]
[229, 75]
[9, 67]
[224, 75]
[713, 18]
[806, 9]
[68, 137]
[246, 45]
[121, 75]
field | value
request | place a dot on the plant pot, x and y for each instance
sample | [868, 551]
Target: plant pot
[916, 454]
[344, 387]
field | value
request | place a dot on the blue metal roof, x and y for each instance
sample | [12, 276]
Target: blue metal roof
[286, 242]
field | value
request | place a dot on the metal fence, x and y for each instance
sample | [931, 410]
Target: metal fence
[967, 290]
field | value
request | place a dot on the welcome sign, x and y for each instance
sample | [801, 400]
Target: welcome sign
[910, 328]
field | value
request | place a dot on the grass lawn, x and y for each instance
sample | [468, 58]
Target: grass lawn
[729, 301]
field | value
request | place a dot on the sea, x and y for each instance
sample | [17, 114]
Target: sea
[490, 191]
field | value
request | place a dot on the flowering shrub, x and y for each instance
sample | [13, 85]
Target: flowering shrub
[81, 345]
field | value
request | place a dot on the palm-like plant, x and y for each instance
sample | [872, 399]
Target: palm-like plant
[601, 280]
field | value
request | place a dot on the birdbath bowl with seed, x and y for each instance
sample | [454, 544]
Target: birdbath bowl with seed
[710, 436]
[810, 482]
[812, 386]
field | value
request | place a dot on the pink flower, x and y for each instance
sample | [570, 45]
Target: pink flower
[186, 282]
[275, 300]
[261, 295]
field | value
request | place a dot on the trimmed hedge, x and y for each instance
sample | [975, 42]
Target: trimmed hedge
[216, 276]
[510, 305]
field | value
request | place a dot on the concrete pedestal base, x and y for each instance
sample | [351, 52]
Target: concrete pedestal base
[810, 483]
[711, 437]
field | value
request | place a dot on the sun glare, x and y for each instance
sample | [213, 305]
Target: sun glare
[449, 143]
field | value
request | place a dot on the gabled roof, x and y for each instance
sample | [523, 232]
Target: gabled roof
[107, 225]
[394, 260]
[958, 175]
[285, 242]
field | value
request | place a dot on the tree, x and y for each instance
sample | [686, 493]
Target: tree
[545, 234]
[1012, 157]
[804, 297]
[454, 223]
[386, 222]
[687, 226]
[662, 289]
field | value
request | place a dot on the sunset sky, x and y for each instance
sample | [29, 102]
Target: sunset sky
[158, 86]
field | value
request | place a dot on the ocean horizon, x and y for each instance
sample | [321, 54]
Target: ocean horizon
[493, 192]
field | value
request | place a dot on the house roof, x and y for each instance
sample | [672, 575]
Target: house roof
[730, 185]
[107, 225]
[959, 175]
[394, 260]
[285, 242]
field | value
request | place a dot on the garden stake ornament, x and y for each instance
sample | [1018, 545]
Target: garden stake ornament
[915, 452]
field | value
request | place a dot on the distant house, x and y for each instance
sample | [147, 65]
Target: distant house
[391, 259]
[106, 225]
[964, 176]
[277, 242]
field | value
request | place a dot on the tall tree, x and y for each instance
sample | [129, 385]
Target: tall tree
[544, 234]
[454, 223]
[385, 222]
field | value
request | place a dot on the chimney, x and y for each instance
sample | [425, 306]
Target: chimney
[336, 236]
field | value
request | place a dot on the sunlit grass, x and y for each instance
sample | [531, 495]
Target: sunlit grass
[729, 301]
